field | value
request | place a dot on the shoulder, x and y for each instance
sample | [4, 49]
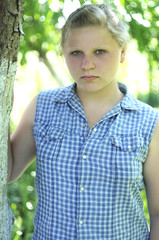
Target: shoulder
[143, 109]
[155, 137]
[149, 114]
[149, 117]
[46, 98]
[46, 95]
[47, 101]
[58, 94]
[146, 107]
[130, 102]
[142, 115]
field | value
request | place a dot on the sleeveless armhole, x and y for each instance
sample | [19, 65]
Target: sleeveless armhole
[37, 113]
[44, 101]
[155, 119]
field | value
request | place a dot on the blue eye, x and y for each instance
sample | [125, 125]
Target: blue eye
[100, 51]
[75, 53]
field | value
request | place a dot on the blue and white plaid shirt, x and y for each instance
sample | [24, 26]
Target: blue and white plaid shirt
[88, 184]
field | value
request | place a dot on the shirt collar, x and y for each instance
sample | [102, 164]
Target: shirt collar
[129, 102]
[65, 94]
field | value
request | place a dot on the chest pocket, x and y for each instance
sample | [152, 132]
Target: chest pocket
[128, 143]
[129, 155]
[48, 140]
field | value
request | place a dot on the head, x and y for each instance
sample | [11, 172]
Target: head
[96, 15]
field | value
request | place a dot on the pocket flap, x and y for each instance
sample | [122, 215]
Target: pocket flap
[48, 132]
[128, 143]
[54, 133]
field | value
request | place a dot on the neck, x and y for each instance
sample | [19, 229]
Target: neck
[109, 96]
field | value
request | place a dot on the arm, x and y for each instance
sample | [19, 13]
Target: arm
[151, 177]
[21, 145]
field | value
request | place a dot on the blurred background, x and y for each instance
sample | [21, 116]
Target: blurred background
[40, 66]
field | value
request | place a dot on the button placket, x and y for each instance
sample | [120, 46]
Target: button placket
[95, 130]
[80, 221]
[81, 191]
[84, 156]
[81, 188]
[129, 147]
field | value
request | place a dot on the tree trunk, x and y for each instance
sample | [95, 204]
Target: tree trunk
[11, 13]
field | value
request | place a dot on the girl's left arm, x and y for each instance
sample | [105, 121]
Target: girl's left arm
[151, 178]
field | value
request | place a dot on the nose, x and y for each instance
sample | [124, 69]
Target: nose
[87, 63]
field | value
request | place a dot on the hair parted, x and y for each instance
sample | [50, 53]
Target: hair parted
[97, 15]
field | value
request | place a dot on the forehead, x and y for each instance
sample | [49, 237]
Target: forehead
[89, 36]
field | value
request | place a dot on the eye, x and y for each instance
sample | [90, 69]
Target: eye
[100, 51]
[75, 53]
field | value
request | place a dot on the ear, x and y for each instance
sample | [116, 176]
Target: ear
[123, 53]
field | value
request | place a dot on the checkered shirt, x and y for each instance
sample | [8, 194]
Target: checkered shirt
[89, 184]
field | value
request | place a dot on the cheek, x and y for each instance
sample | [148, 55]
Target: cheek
[73, 64]
[109, 66]
[113, 61]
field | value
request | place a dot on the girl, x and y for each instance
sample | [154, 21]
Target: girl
[96, 145]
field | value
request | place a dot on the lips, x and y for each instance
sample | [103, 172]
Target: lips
[89, 77]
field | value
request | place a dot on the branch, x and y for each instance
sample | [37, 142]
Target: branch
[51, 69]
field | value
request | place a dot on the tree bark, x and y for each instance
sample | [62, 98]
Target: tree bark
[11, 13]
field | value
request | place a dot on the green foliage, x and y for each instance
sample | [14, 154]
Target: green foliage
[151, 98]
[40, 30]
[23, 200]
[144, 22]
[143, 193]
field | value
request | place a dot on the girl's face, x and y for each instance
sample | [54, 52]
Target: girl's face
[92, 57]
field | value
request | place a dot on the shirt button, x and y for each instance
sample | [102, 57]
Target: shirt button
[129, 147]
[84, 156]
[117, 109]
[84, 125]
[95, 130]
[81, 221]
[81, 188]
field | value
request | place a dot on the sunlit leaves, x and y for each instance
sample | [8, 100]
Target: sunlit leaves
[39, 27]
[144, 22]
[23, 203]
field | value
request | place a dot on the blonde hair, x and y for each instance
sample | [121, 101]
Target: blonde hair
[97, 15]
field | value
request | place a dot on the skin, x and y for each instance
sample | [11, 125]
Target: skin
[151, 177]
[21, 147]
[93, 58]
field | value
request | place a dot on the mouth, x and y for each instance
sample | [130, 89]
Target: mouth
[89, 77]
